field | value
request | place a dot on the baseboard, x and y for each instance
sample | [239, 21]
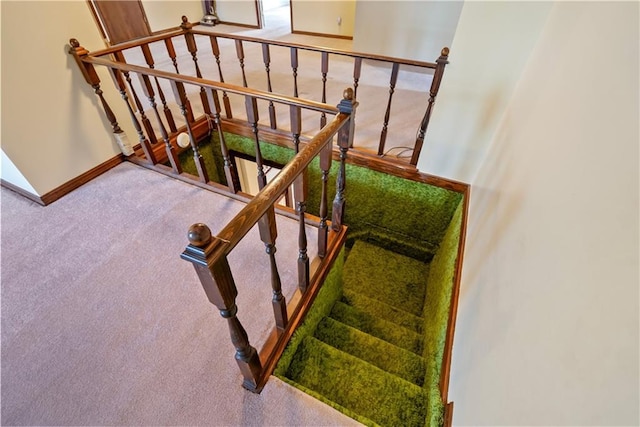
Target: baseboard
[333, 36]
[23, 193]
[76, 182]
[238, 24]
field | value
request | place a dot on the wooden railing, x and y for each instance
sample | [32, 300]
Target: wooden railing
[209, 254]
[159, 53]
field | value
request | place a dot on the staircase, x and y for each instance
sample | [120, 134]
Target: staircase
[367, 356]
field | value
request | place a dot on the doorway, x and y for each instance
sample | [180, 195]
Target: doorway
[276, 17]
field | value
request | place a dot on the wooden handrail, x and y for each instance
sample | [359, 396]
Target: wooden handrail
[239, 90]
[320, 49]
[269, 195]
[209, 254]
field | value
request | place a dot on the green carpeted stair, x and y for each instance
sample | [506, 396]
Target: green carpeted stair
[366, 354]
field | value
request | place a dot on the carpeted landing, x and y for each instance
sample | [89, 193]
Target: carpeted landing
[366, 356]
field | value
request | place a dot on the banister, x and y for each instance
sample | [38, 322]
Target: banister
[138, 42]
[239, 90]
[257, 207]
[320, 49]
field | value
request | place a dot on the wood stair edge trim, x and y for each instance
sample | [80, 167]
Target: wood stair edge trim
[445, 371]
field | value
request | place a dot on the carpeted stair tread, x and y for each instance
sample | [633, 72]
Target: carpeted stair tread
[379, 328]
[357, 385]
[384, 311]
[388, 357]
[386, 276]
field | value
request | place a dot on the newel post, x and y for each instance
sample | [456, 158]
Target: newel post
[91, 77]
[205, 252]
[441, 62]
[345, 140]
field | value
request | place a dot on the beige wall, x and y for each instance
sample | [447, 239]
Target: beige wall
[405, 29]
[547, 330]
[322, 16]
[237, 11]
[164, 14]
[51, 126]
[492, 44]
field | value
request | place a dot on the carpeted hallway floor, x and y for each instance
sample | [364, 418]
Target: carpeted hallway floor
[103, 323]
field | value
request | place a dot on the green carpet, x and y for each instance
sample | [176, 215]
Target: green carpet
[401, 215]
[372, 344]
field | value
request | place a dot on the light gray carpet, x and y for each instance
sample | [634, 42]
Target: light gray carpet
[104, 324]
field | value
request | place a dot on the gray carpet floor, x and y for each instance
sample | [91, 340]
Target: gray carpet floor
[104, 324]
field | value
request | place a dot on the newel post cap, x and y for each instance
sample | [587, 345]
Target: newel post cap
[199, 235]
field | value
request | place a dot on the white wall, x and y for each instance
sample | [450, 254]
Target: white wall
[237, 11]
[12, 175]
[405, 29]
[547, 330]
[52, 129]
[163, 14]
[322, 16]
[491, 46]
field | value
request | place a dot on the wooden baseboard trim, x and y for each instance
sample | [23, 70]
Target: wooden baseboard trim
[76, 182]
[237, 24]
[448, 414]
[22, 192]
[332, 36]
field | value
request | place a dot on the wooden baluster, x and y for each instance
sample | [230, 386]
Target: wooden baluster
[216, 53]
[192, 47]
[147, 88]
[357, 68]
[387, 114]
[146, 51]
[325, 70]
[171, 51]
[146, 123]
[345, 140]
[296, 125]
[252, 118]
[300, 190]
[325, 167]
[181, 98]
[116, 75]
[266, 57]
[240, 53]
[217, 280]
[294, 67]
[91, 77]
[233, 181]
[441, 62]
[268, 234]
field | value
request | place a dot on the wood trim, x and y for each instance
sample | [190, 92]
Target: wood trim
[80, 180]
[275, 345]
[22, 192]
[366, 159]
[328, 35]
[445, 372]
[258, 4]
[238, 24]
[448, 414]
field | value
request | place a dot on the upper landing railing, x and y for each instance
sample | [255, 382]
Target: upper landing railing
[276, 67]
[209, 253]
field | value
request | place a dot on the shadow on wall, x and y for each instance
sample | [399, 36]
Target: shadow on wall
[460, 155]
